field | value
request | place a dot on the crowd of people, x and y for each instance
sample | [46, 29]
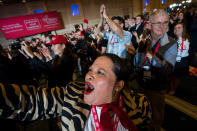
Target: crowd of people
[125, 67]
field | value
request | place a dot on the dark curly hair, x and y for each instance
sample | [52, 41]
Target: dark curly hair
[120, 19]
[120, 68]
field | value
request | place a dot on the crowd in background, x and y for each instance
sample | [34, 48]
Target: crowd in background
[59, 59]
[86, 43]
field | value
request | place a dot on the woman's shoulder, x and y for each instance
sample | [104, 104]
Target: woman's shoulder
[136, 98]
[76, 84]
[75, 88]
[138, 108]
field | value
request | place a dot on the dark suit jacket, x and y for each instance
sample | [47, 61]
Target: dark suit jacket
[139, 32]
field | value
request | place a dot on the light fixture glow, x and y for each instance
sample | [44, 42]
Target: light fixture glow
[162, 2]
[146, 2]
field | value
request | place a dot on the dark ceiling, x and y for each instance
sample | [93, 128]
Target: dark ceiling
[6, 2]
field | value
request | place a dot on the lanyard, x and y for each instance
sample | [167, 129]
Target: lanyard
[156, 49]
[97, 44]
[98, 125]
[181, 45]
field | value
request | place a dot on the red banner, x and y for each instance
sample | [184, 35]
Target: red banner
[20, 26]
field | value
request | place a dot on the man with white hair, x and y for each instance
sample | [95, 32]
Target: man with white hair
[157, 64]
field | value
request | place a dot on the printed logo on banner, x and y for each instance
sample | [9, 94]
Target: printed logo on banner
[20, 26]
[32, 24]
[12, 28]
[49, 22]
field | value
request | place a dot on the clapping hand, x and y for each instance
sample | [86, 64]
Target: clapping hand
[101, 10]
[26, 49]
[130, 49]
[135, 33]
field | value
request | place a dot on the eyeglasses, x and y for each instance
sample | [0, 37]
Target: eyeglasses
[161, 23]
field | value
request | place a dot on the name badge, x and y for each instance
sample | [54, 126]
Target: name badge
[178, 58]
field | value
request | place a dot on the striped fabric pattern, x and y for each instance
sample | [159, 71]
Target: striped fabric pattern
[27, 102]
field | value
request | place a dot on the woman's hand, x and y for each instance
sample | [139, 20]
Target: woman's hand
[130, 49]
[27, 50]
[135, 34]
[46, 52]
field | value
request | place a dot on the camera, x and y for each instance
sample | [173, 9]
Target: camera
[146, 67]
[73, 39]
[16, 45]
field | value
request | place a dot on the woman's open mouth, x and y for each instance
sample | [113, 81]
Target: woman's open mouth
[88, 88]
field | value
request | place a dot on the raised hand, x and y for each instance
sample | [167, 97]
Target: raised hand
[130, 49]
[27, 49]
[104, 12]
[135, 33]
[46, 52]
[101, 10]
